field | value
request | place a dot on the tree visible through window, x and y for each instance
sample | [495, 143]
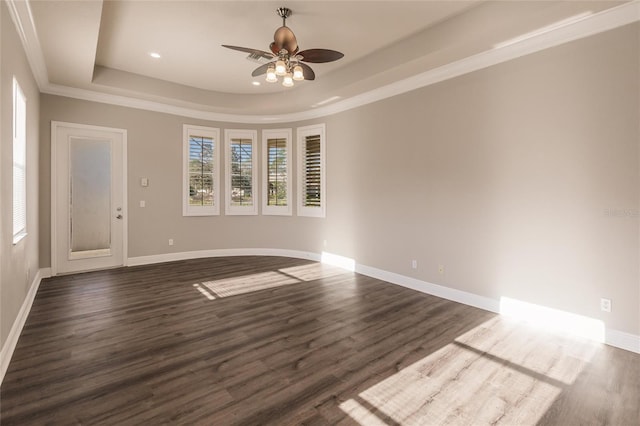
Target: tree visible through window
[277, 173]
[200, 171]
[241, 172]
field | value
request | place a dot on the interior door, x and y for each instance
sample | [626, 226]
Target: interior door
[89, 221]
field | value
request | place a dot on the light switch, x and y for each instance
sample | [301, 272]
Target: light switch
[144, 182]
[143, 203]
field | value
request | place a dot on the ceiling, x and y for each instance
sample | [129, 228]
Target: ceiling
[103, 46]
[189, 36]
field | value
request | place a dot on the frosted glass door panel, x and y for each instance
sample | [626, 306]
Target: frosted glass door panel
[89, 197]
[88, 203]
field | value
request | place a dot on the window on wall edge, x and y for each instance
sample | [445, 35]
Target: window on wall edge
[311, 149]
[19, 163]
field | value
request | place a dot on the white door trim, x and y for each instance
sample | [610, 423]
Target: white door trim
[54, 177]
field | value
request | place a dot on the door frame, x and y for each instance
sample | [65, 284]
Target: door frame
[54, 179]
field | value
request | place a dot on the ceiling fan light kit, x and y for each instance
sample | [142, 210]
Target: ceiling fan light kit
[272, 77]
[281, 68]
[286, 59]
[287, 81]
[297, 73]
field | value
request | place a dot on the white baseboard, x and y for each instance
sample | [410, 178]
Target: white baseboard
[170, 257]
[12, 339]
[448, 293]
[619, 339]
[622, 340]
[615, 338]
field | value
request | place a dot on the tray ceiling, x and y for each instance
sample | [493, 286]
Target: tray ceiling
[100, 47]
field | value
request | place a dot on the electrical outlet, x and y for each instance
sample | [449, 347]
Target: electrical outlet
[605, 305]
[170, 241]
[414, 264]
[441, 269]
[324, 243]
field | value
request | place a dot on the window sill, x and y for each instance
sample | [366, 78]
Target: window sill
[201, 214]
[18, 237]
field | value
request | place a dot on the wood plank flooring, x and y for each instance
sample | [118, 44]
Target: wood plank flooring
[271, 340]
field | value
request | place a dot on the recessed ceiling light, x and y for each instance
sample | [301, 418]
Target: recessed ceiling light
[255, 83]
[154, 55]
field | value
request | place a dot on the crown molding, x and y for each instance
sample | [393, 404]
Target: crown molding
[609, 19]
[22, 18]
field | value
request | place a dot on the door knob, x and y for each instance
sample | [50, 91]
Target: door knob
[119, 216]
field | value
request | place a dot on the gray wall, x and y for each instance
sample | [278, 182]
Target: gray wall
[522, 179]
[18, 263]
[155, 152]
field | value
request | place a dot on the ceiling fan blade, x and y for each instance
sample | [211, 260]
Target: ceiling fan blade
[307, 71]
[261, 69]
[255, 52]
[274, 48]
[318, 56]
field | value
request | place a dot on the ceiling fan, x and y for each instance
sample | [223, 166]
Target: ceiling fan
[286, 59]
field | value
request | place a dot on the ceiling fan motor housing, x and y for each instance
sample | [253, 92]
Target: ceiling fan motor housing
[284, 38]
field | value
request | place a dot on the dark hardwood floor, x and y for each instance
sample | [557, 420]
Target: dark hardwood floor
[270, 340]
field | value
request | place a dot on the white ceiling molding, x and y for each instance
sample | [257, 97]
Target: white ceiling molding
[22, 18]
[584, 27]
[125, 101]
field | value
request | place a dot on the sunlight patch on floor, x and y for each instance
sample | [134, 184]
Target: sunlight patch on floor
[204, 292]
[265, 280]
[312, 271]
[493, 374]
[361, 414]
[247, 284]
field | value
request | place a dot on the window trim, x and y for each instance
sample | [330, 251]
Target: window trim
[267, 134]
[230, 134]
[302, 133]
[18, 94]
[214, 133]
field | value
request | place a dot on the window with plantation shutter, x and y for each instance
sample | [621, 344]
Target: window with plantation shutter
[19, 163]
[276, 172]
[241, 172]
[200, 171]
[311, 171]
